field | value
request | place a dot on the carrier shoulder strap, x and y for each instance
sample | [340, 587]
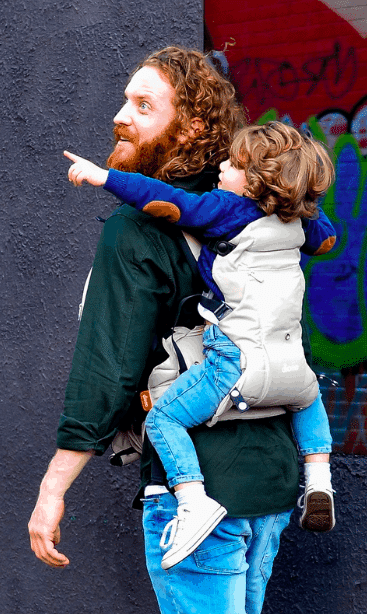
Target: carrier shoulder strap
[192, 248]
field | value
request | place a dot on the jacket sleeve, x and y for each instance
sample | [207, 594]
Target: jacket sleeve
[320, 235]
[216, 213]
[127, 291]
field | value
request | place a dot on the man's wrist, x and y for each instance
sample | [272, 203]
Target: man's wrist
[53, 486]
[63, 469]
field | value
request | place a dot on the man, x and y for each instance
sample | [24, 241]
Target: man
[176, 124]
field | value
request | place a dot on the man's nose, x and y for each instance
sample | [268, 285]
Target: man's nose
[123, 116]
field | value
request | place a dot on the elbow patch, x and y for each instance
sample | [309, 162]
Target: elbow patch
[161, 208]
[325, 246]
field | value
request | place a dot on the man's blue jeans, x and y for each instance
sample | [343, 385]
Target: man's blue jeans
[194, 397]
[227, 573]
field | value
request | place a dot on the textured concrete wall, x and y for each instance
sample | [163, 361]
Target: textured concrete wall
[63, 69]
[326, 574]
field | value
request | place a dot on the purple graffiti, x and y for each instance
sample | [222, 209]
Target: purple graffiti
[337, 72]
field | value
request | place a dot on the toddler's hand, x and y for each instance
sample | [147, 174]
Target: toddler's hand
[83, 170]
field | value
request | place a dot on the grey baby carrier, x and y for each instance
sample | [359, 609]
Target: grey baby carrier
[263, 286]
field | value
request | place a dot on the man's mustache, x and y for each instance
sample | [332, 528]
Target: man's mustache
[121, 132]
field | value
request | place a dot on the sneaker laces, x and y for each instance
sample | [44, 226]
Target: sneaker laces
[301, 499]
[173, 526]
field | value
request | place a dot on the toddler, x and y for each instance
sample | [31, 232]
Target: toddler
[252, 228]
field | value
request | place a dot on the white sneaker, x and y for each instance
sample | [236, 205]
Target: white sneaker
[189, 528]
[317, 504]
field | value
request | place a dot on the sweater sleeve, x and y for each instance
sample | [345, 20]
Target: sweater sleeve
[215, 213]
[129, 278]
[320, 235]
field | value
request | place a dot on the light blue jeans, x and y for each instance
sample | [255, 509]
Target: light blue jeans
[311, 429]
[227, 573]
[194, 397]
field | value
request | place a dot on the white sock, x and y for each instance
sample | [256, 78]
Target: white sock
[190, 494]
[318, 473]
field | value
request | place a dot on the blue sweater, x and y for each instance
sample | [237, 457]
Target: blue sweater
[216, 214]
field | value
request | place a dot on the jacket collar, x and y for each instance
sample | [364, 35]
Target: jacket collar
[205, 181]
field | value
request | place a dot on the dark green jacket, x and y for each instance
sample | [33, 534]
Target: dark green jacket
[140, 274]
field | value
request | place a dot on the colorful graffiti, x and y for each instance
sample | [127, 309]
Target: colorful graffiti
[337, 291]
[300, 56]
[304, 63]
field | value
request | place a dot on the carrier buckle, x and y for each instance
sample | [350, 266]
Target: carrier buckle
[222, 311]
[221, 247]
[217, 307]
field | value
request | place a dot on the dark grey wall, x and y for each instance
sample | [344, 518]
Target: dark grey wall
[63, 67]
[326, 574]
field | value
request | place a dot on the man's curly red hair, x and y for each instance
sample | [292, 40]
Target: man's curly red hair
[200, 92]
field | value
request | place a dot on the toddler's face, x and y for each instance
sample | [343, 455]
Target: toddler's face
[232, 179]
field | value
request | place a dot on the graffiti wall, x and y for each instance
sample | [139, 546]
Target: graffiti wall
[304, 62]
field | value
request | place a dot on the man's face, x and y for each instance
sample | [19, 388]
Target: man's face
[146, 126]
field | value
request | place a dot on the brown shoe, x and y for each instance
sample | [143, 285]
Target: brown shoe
[318, 509]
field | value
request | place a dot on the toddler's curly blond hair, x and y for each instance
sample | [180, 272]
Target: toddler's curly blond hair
[286, 170]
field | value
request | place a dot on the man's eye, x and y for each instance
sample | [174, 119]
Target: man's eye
[144, 106]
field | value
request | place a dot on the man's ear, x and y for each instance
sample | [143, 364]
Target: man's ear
[191, 130]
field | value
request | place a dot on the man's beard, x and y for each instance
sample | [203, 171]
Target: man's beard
[148, 158]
